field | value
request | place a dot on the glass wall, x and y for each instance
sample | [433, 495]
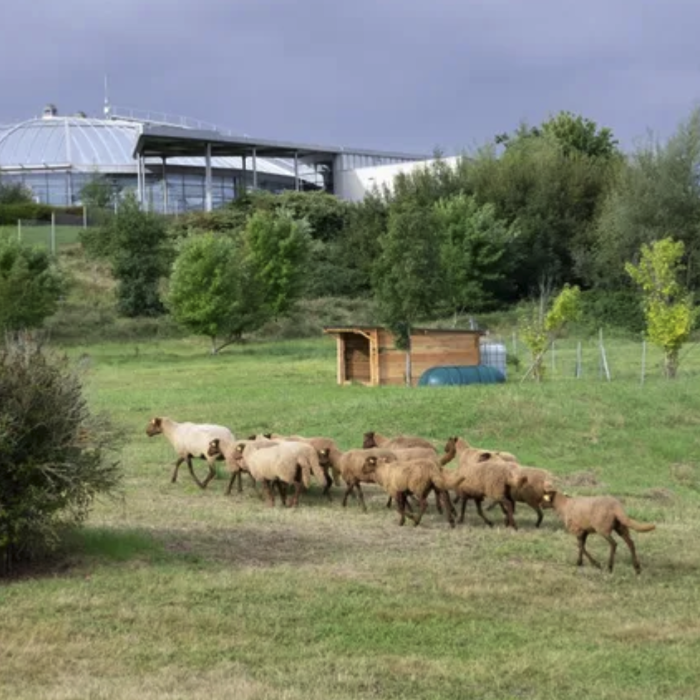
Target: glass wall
[185, 190]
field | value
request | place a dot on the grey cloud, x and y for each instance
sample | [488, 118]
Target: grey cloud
[394, 74]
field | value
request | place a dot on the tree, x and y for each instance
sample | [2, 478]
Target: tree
[572, 132]
[15, 193]
[214, 290]
[30, 286]
[668, 305]
[98, 192]
[406, 278]
[278, 247]
[137, 246]
[544, 325]
[56, 456]
[474, 247]
[658, 191]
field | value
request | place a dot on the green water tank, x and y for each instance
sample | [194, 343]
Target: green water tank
[455, 375]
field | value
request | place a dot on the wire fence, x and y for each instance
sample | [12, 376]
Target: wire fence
[597, 358]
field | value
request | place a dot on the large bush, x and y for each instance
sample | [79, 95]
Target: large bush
[55, 455]
[136, 243]
[30, 286]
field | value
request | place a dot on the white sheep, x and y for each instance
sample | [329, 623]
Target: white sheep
[190, 440]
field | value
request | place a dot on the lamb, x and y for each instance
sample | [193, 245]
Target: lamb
[484, 476]
[372, 439]
[231, 452]
[285, 463]
[190, 440]
[419, 477]
[350, 465]
[583, 515]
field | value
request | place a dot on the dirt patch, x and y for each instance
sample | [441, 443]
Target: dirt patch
[685, 474]
[660, 495]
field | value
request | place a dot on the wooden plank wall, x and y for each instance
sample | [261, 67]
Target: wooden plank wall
[428, 350]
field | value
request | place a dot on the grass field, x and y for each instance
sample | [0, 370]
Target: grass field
[40, 235]
[176, 593]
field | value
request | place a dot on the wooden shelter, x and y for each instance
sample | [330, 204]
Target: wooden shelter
[368, 354]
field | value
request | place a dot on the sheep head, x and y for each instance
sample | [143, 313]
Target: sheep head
[368, 440]
[155, 427]
[214, 447]
[370, 465]
[324, 456]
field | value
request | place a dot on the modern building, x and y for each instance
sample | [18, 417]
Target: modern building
[173, 164]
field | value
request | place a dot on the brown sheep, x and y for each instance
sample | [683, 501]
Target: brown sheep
[350, 465]
[583, 515]
[232, 453]
[400, 478]
[372, 439]
[319, 444]
[485, 476]
[532, 491]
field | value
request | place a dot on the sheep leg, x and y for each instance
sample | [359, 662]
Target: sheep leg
[194, 476]
[329, 483]
[362, 497]
[295, 498]
[401, 507]
[282, 488]
[510, 509]
[239, 480]
[438, 500]
[613, 547]
[423, 502]
[463, 509]
[388, 503]
[540, 514]
[347, 493]
[210, 475]
[229, 488]
[268, 493]
[624, 532]
[481, 512]
[449, 510]
[582, 550]
[177, 466]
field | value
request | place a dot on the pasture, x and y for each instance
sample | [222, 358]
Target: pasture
[173, 592]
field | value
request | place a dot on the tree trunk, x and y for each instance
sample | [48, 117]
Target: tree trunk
[408, 367]
[671, 364]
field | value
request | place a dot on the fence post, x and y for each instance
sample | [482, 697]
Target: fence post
[19, 230]
[644, 360]
[578, 360]
[553, 353]
[53, 232]
[603, 356]
[515, 345]
[84, 216]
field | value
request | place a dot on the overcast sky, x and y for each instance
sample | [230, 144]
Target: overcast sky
[403, 75]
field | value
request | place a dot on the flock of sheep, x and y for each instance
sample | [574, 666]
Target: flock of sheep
[404, 466]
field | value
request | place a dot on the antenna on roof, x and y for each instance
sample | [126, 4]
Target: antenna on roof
[108, 107]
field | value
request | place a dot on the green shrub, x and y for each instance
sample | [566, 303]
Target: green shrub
[612, 309]
[54, 454]
[30, 286]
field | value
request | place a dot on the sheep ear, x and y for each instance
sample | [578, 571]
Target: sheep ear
[267, 435]
[484, 457]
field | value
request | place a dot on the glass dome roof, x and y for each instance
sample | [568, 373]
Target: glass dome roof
[88, 144]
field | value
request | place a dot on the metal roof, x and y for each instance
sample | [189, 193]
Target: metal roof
[88, 144]
[161, 140]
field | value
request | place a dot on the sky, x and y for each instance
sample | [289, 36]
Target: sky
[397, 75]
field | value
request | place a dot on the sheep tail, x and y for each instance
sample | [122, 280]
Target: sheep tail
[635, 524]
[306, 468]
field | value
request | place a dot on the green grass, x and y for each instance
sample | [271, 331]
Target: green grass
[172, 592]
[40, 235]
